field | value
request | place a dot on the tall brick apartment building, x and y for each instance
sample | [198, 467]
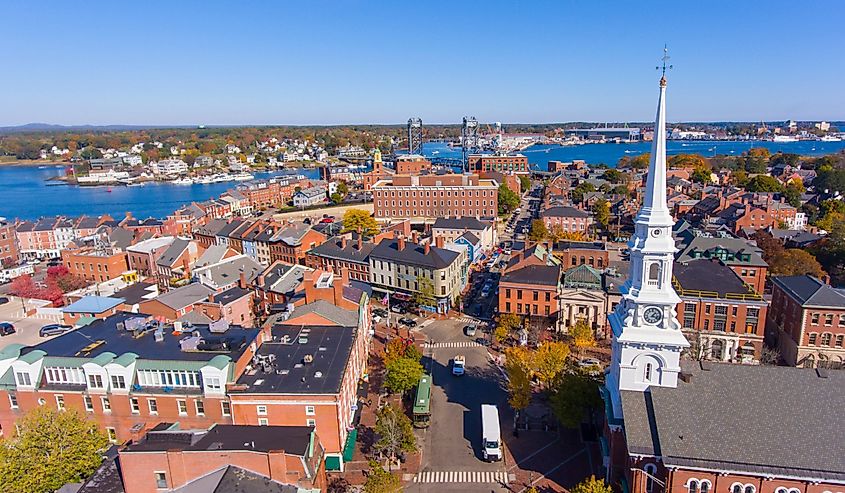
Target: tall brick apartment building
[426, 197]
[807, 319]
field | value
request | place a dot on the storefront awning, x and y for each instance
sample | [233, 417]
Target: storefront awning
[332, 463]
[349, 447]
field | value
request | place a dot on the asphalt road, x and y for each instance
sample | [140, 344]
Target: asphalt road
[452, 444]
[27, 327]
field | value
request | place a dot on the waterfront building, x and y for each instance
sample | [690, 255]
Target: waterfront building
[170, 167]
[427, 197]
[807, 320]
[605, 133]
[8, 244]
[397, 265]
[309, 197]
[502, 163]
[654, 438]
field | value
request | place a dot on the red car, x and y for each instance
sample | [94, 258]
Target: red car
[327, 220]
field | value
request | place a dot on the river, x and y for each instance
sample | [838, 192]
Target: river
[25, 192]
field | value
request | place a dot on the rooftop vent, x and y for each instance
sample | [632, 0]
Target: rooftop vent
[159, 334]
[219, 326]
[325, 280]
[318, 374]
[303, 339]
[308, 359]
[259, 381]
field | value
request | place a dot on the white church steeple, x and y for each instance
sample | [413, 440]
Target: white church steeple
[647, 338]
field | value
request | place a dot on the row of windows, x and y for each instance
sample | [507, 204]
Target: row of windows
[815, 318]
[443, 203]
[825, 340]
[169, 378]
[81, 267]
[534, 294]
[431, 194]
[529, 309]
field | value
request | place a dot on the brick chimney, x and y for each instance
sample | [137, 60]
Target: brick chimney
[343, 243]
[427, 247]
[360, 241]
[186, 267]
[414, 237]
[438, 242]
[211, 298]
[242, 280]
[337, 286]
[308, 280]
[401, 243]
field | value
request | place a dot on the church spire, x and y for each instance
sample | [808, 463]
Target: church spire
[655, 211]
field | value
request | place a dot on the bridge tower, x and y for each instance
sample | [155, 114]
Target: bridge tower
[415, 136]
[469, 139]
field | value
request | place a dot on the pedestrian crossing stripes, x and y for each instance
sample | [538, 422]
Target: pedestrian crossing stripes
[453, 344]
[461, 477]
[468, 320]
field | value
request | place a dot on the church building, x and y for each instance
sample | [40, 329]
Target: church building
[677, 425]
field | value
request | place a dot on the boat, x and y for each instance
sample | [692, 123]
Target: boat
[183, 181]
[784, 138]
[830, 138]
[108, 191]
[204, 180]
[243, 177]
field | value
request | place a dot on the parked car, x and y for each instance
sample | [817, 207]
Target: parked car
[408, 322]
[469, 330]
[327, 220]
[376, 319]
[53, 329]
[6, 328]
[398, 308]
[3, 300]
[381, 312]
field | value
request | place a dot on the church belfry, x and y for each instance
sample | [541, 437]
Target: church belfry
[647, 337]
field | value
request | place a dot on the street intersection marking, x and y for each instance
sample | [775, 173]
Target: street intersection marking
[462, 477]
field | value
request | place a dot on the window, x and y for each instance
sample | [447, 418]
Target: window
[826, 338]
[263, 422]
[815, 319]
[225, 408]
[828, 319]
[548, 298]
[112, 434]
[721, 310]
[13, 400]
[839, 340]
[153, 405]
[261, 410]
[213, 383]
[536, 296]
[60, 402]
[135, 405]
[650, 470]
[310, 422]
[811, 339]
[106, 404]
[689, 322]
[507, 292]
[705, 486]
[647, 375]
[692, 486]
[161, 480]
[23, 378]
[118, 382]
[183, 407]
[653, 273]
[95, 381]
[64, 375]
[719, 325]
[89, 403]
[689, 308]
[519, 294]
[200, 407]
[749, 488]
[842, 320]
[169, 378]
[309, 411]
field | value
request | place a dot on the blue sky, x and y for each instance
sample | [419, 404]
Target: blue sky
[345, 61]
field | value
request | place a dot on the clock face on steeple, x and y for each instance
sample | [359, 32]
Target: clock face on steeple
[653, 315]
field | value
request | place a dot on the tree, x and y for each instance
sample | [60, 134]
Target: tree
[508, 200]
[601, 212]
[832, 180]
[509, 321]
[582, 189]
[764, 183]
[425, 292]
[403, 374]
[549, 360]
[556, 233]
[336, 198]
[592, 485]
[500, 334]
[765, 241]
[756, 159]
[23, 286]
[52, 448]
[582, 335]
[575, 395]
[395, 432]
[637, 162]
[524, 182]
[360, 220]
[615, 176]
[343, 189]
[795, 262]
[739, 178]
[381, 481]
[399, 347]
[701, 175]
[792, 193]
[693, 161]
[538, 230]
[518, 364]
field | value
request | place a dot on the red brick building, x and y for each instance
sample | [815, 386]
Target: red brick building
[574, 253]
[807, 319]
[411, 164]
[225, 456]
[126, 377]
[8, 244]
[569, 219]
[719, 312]
[343, 253]
[96, 265]
[504, 163]
[420, 198]
[293, 241]
[530, 284]
[142, 256]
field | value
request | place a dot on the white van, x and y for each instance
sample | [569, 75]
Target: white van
[491, 440]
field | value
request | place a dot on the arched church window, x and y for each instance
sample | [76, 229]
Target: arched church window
[749, 488]
[650, 470]
[654, 271]
[648, 370]
[736, 488]
[693, 486]
[705, 486]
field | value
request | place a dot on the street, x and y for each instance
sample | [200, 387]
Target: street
[26, 327]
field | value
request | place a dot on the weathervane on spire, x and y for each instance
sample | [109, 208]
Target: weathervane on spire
[665, 59]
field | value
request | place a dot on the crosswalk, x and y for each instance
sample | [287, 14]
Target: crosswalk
[468, 320]
[453, 344]
[461, 477]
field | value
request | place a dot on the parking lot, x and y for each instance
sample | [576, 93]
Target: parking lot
[26, 327]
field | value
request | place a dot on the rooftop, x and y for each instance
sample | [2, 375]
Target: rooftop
[534, 274]
[328, 347]
[810, 291]
[563, 211]
[106, 336]
[770, 420]
[709, 278]
[148, 246]
[294, 440]
[93, 304]
[469, 223]
[235, 479]
[334, 249]
[414, 254]
[184, 296]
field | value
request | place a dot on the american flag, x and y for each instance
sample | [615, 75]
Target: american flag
[386, 299]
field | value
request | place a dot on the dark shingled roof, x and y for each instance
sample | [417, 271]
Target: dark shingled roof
[769, 420]
[413, 254]
[810, 291]
[563, 211]
[235, 479]
[470, 223]
[534, 274]
[708, 275]
[333, 249]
